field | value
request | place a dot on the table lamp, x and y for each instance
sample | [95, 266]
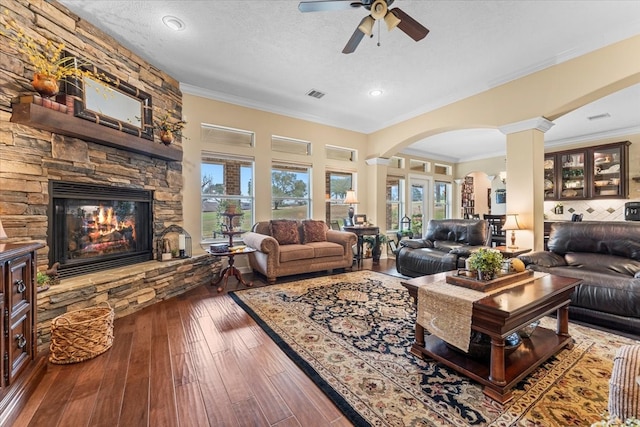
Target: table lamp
[512, 224]
[351, 200]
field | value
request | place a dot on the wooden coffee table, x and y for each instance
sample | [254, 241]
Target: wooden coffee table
[498, 315]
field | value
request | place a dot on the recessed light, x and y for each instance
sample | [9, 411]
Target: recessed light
[375, 92]
[174, 23]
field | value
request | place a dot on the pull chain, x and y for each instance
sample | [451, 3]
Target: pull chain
[378, 21]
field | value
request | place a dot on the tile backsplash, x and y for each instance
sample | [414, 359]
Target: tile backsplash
[592, 210]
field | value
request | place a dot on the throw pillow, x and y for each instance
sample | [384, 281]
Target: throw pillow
[314, 231]
[284, 231]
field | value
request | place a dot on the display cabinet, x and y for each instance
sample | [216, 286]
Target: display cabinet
[610, 174]
[550, 180]
[572, 175]
[587, 173]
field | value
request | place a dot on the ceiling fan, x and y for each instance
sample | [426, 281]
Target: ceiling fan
[379, 10]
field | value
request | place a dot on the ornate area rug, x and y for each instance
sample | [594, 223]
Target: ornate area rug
[351, 333]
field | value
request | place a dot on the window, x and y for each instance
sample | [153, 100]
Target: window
[225, 180]
[337, 184]
[290, 191]
[290, 145]
[340, 153]
[395, 197]
[226, 136]
[419, 166]
[396, 162]
[442, 200]
[442, 169]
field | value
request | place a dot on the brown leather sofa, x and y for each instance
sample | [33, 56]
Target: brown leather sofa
[606, 256]
[446, 246]
[284, 255]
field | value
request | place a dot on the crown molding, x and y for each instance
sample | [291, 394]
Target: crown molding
[538, 123]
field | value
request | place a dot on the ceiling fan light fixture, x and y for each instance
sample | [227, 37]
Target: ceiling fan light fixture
[378, 9]
[391, 20]
[366, 26]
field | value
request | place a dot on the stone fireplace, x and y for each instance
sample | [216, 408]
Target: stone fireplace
[95, 227]
[96, 196]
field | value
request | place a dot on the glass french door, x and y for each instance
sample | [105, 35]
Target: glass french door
[419, 202]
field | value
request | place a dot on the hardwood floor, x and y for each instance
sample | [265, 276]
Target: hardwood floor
[194, 360]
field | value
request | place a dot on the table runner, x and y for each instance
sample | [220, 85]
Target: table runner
[445, 310]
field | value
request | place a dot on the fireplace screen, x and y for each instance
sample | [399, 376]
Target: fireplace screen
[97, 227]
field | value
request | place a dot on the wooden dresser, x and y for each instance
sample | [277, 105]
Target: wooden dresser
[21, 369]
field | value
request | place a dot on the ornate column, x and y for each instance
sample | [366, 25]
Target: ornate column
[375, 188]
[525, 180]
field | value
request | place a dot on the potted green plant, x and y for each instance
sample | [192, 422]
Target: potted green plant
[487, 262]
[370, 242]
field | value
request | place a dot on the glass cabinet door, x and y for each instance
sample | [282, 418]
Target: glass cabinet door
[572, 168]
[608, 179]
[550, 178]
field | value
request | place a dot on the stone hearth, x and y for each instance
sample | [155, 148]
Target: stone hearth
[126, 289]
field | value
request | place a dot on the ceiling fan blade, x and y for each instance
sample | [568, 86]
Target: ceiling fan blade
[355, 39]
[327, 5]
[410, 26]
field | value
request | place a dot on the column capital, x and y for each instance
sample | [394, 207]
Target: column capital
[378, 161]
[538, 123]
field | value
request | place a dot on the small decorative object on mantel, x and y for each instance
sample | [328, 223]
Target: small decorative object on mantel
[46, 57]
[169, 129]
[45, 85]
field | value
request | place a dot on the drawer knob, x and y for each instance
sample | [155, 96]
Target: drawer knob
[21, 285]
[21, 341]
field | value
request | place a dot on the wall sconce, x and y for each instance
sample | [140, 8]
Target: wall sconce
[458, 181]
[491, 177]
[351, 200]
[503, 177]
[511, 223]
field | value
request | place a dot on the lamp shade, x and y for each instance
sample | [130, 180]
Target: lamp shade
[3, 234]
[391, 20]
[350, 199]
[367, 25]
[379, 9]
[511, 223]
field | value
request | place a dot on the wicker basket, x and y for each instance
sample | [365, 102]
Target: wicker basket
[81, 334]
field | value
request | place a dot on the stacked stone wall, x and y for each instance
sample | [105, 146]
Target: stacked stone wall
[30, 158]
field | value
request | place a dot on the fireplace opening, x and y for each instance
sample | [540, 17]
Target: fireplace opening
[95, 227]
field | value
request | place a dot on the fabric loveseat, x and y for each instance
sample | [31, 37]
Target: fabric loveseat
[606, 256]
[446, 246]
[286, 247]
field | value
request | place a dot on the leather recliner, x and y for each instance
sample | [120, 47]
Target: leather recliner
[445, 246]
[606, 256]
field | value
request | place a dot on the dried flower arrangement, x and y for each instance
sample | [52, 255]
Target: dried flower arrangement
[45, 56]
[169, 128]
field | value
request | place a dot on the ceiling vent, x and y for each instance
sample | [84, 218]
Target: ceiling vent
[599, 116]
[315, 93]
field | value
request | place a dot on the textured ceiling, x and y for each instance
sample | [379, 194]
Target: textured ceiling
[268, 55]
